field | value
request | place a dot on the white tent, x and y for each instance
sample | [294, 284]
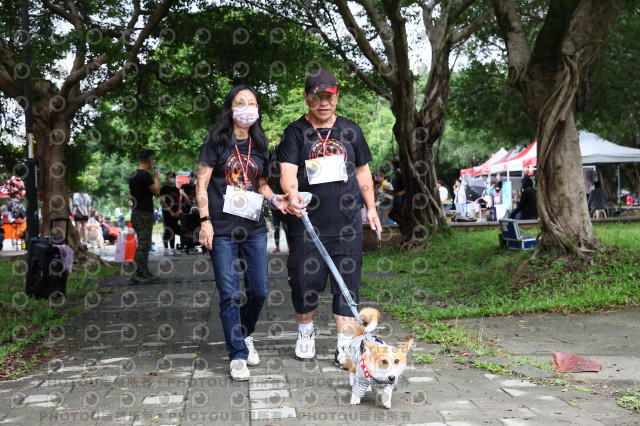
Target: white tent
[596, 150]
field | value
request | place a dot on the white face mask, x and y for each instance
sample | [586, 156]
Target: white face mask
[245, 116]
[171, 181]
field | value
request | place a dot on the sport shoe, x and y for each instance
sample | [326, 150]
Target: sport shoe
[238, 369]
[276, 250]
[306, 346]
[175, 251]
[146, 278]
[253, 358]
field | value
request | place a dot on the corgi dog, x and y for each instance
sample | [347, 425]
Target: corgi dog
[94, 235]
[377, 362]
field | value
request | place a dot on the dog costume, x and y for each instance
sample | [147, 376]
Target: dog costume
[363, 379]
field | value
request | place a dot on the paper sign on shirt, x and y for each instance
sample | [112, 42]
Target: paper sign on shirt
[326, 169]
[243, 203]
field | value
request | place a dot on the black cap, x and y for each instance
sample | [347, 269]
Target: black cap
[321, 81]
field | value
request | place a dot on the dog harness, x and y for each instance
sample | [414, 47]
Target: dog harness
[363, 379]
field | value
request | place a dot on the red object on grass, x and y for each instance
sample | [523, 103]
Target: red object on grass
[570, 363]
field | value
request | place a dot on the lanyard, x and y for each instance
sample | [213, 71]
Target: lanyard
[324, 141]
[245, 170]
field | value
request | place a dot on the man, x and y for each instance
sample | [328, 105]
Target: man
[444, 193]
[81, 204]
[312, 154]
[598, 200]
[143, 187]
[171, 205]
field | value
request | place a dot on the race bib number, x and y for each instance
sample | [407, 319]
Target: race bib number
[239, 202]
[326, 169]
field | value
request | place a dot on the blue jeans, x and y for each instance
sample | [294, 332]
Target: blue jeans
[239, 311]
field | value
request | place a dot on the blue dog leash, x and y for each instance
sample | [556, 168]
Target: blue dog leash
[325, 255]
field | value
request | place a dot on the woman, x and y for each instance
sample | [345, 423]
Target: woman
[460, 199]
[233, 159]
[527, 208]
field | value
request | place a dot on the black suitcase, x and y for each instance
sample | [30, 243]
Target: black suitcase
[45, 270]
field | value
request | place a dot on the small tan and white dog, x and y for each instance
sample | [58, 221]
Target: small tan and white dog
[94, 234]
[374, 363]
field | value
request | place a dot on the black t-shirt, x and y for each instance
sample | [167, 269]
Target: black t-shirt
[397, 182]
[227, 171]
[190, 190]
[139, 183]
[528, 204]
[334, 209]
[171, 196]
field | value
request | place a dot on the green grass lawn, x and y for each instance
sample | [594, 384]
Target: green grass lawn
[26, 321]
[466, 274]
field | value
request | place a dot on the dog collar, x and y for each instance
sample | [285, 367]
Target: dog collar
[368, 376]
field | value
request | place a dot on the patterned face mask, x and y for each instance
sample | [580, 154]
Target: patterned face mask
[245, 116]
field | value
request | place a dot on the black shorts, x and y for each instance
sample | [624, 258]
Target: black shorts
[79, 217]
[308, 272]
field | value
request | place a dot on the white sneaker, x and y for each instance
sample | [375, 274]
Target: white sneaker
[175, 252]
[253, 358]
[167, 252]
[306, 346]
[238, 369]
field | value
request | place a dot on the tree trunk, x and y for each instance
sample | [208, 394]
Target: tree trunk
[562, 205]
[607, 175]
[52, 132]
[432, 121]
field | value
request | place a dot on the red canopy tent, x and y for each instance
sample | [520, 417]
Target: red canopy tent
[517, 163]
[483, 169]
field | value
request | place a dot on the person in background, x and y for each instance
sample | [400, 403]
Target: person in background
[598, 200]
[171, 207]
[384, 197]
[109, 232]
[142, 187]
[278, 226]
[395, 213]
[527, 208]
[460, 198]
[188, 190]
[81, 204]
[444, 192]
[119, 217]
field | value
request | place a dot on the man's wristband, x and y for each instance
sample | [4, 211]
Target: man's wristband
[271, 200]
[204, 219]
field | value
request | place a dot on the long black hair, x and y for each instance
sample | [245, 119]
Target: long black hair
[221, 132]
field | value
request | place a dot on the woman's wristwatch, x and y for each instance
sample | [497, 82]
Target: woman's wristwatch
[204, 219]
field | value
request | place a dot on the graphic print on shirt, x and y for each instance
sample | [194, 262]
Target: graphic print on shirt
[333, 148]
[233, 172]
